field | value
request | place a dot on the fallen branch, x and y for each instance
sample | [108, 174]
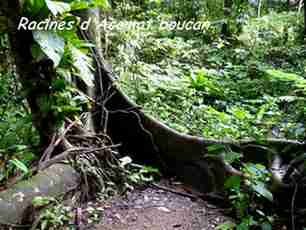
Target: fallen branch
[54, 143]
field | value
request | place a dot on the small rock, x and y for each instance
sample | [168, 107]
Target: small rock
[164, 209]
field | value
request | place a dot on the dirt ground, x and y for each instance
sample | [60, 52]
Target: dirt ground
[154, 208]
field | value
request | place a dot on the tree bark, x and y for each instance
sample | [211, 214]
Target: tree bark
[34, 77]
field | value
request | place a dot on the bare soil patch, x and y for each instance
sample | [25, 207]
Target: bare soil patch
[156, 209]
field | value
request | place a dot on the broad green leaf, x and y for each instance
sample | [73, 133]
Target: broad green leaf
[40, 201]
[230, 156]
[215, 148]
[149, 169]
[261, 189]
[287, 98]
[255, 170]
[57, 7]
[146, 178]
[283, 76]
[81, 4]
[242, 226]
[59, 84]
[233, 182]
[51, 44]
[36, 51]
[226, 226]
[20, 165]
[102, 3]
[17, 148]
[35, 9]
[82, 63]
[65, 73]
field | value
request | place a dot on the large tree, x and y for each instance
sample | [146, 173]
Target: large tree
[113, 113]
[147, 139]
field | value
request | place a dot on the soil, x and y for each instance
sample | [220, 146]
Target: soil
[156, 208]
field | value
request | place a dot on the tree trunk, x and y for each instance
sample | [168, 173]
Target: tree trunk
[34, 77]
[150, 141]
[143, 137]
[225, 30]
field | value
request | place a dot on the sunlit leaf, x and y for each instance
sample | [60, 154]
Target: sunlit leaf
[226, 226]
[283, 76]
[82, 63]
[261, 189]
[57, 7]
[230, 156]
[80, 4]
[20, 165]
[233, 182]
[215, 148]
[51, 44]
[40, 201]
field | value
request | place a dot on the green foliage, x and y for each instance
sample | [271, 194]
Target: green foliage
[57, 8]
[247, 197]
[226, 226]
[79, 4]
[143, 174]
[139, 174]
[185, 10]
[71, 59]
[41, 201]
[35, 9]
[63, 47]
[20, 165]
[82, 63]
[271, 30]
[18, 138]
[220, 89]
[51, 44]
[70, 55]
[52, 214]
[201, 81]
[251, 85]
[40, 9]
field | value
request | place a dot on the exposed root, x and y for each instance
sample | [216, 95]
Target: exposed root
[98, 165]
[54, 143]
[94, 156]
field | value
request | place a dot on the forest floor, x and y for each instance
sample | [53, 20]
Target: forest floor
[154, 208]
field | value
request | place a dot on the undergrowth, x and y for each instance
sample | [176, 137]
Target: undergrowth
[250, 85]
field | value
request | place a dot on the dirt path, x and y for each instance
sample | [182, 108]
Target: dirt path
[157, 209]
